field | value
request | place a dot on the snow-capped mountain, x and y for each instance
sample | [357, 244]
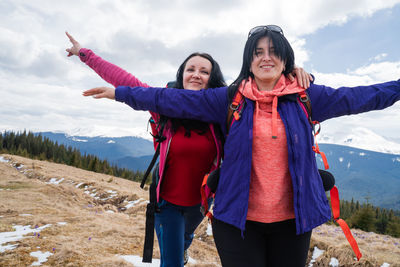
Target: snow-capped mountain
[360, 138]
[106, 131]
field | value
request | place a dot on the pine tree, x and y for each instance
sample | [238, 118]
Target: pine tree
[364, 219]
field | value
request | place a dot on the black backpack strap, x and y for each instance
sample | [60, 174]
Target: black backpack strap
[159, 138]
[152, 205]
[150, 218]
[151, 165]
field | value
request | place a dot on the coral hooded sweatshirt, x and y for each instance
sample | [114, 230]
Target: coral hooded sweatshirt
[271, 189]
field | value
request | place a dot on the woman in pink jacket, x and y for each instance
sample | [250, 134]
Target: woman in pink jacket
[191, 150]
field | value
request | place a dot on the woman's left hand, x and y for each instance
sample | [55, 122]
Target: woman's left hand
[303, 78]
[100, 92]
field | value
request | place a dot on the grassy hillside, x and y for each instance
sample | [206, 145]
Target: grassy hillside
[83, 218]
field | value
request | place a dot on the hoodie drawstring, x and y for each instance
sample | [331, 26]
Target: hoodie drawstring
[274, 120]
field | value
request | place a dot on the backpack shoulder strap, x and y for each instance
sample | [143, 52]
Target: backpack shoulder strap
[306, 105]
[235, 108]
[159, 137]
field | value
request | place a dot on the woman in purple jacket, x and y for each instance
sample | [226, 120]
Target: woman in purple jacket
[191, 149]
[270, 195]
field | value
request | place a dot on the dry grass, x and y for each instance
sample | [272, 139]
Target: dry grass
[95, 236]
[92, 235]
[376, 249]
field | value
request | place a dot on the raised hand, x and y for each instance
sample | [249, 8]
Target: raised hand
[100, 92]
[303, 78]
[74, 50]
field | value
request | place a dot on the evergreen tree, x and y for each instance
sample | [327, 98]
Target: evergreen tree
[364, 219]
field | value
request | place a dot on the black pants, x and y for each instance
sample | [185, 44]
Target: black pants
[264, 244]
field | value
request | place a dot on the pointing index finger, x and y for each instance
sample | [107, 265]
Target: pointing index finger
[71, 38]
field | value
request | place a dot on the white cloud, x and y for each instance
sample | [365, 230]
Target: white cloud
[369, 74]
[379, 57]
[40, 88]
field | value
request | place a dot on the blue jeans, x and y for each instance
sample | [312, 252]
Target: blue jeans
[175, 226]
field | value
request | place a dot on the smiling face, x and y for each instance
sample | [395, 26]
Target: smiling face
[266, 67]
[196, 73]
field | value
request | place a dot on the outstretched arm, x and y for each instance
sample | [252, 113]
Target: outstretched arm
[106, 70]
[208, 105]
[328, 102]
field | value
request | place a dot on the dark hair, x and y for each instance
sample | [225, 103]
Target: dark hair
[216, 77]
[216, 80]
[283, 50]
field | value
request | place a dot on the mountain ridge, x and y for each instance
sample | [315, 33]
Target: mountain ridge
[358, 172]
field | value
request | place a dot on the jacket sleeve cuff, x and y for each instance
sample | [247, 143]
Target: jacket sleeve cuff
[84, 54]
[121, 93]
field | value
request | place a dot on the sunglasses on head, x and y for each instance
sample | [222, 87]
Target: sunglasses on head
[272, 28]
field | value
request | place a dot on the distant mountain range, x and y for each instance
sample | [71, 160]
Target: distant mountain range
[133, 153]
[364, 175]
[361, 174]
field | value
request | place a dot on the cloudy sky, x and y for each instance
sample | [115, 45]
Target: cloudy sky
[341, 42]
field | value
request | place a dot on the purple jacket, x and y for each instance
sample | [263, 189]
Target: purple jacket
[118, 76]
[231, 200]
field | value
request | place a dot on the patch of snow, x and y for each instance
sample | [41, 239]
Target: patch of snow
[316, 253]
[334, 262]
[341, 159]
[42, 257]
[61, 223]
[2, 159]
[25, 215]
[191, 260]
[18, 234]
[55, 181]
[78, 185]
[111, 142]
[19, 166]
[78, 140]
[385, 264]
[362, 154]
[137, 261]
[133, 203]
[209, 230]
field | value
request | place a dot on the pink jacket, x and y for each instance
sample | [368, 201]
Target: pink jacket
[119, 77]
